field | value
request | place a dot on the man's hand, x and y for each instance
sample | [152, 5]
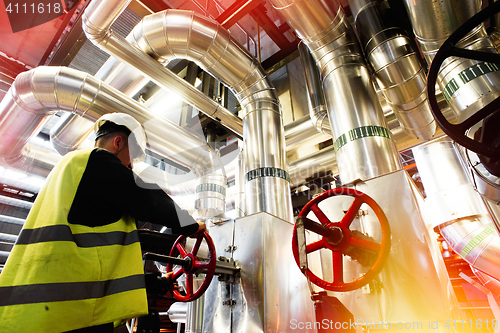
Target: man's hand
[201, 227]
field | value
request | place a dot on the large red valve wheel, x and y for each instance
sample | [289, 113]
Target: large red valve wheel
[347, 239]
[195, 265]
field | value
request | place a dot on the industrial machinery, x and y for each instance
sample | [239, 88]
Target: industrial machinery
[390, 224]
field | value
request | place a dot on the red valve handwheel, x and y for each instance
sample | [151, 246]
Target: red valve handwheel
[178, 249]
[348, 240]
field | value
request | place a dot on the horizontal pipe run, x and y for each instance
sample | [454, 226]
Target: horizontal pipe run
[96, 28]
[12, 220]
[15, 202]
[9, 238]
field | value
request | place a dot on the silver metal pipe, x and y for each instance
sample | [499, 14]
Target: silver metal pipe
[467, 85]
[317, 104]
[321, 161]
[71, 130]
[8, 238]
[184, 34]
[97, 29]
[35, 93]
[362, 141]
[301, 130]
[433, 22]
[396, 67]
[239, 205]
[12, 220]
[15, 202]
[458, 211]
[178, 312]
[495, 29]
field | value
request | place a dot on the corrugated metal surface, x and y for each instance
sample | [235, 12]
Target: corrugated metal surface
[90, 58]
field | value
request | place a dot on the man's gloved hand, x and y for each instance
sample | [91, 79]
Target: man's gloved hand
[201, 227]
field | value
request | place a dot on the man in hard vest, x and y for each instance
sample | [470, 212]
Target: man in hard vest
[77, 264]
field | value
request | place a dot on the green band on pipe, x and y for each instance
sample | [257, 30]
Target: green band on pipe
[359, 133]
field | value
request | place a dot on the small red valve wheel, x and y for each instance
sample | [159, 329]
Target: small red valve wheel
[195, 265]
[345, 239]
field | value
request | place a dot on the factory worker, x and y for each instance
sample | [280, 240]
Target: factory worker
[77, 263]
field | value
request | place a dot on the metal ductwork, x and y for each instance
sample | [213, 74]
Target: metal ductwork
[184, 34]
[35, 95]
[433, 22]
[397, 68]
[316, 100]
[363, 144]
[495, 26]
[71, 130]
[12, 220]
[467, 85]
[8, 238]
[457, 211]
[97, 19]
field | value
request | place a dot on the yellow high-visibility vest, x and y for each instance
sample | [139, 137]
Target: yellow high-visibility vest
[61, 276]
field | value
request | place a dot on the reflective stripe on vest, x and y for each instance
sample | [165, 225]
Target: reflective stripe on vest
[60, 276]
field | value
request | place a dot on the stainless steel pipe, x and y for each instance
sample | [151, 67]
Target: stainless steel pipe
[363, 144]
[467, 85]
[458, 212]
[184, 34]
[316, 99]
[396, 67]
[36, 93]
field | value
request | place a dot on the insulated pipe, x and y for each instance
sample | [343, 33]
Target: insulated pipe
[177, 312]
[458, 212]
[184, 34]
[97, 19]
[317, 104]
[363, 144]
[9, 238]
[72, 130]
[12, 220]
[495, 32]
[36, 93]
[396, 67]
[467, 85]
[15, 202]
[301, 130]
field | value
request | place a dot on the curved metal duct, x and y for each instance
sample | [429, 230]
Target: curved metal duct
[184, 34]
[97, 19]
[458, 212]
[317, 104]
[396, 67]
[71, 130]
[495, 32]
[467, 85]
[35, 95]
[301, 130]
[363, 144]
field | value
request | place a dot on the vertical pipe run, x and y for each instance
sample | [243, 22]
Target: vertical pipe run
[362, 141]
[316, 99]
[397, 68]
[458, 212]
[184, 34]
[467, 85]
